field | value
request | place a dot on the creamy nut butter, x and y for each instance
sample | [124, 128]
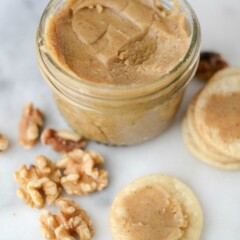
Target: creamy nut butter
[118, 68]
[226, 117]
[117, 42]
[156, 207]
[150, 211]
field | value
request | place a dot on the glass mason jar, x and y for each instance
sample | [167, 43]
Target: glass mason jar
[119, 115]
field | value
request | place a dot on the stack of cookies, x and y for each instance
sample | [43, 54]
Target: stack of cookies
[211, 127]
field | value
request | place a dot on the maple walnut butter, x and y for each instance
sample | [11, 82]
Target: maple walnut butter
[150, 213]
[222, 112]
[156, 207]
[118, 68]
[118, 42]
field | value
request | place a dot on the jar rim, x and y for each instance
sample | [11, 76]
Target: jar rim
[107, 89]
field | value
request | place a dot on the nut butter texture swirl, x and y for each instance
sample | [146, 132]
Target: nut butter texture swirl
[117, 42]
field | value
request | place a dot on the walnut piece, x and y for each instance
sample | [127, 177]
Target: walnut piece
[3, 143]
[81, 174]
[39, 184]
[70, 220]
[62, 141]
[30, 123]
[210, 63]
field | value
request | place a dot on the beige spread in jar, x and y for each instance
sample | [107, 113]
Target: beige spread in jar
[117, 42]
[118, 68]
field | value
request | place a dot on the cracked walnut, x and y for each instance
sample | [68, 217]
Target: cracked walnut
[39, 184]
[70, 220]
[62, 140]
[81, 174]
[209, 64]
[30, 123]
[4, 143]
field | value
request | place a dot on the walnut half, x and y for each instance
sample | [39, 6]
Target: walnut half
[31, 120]
[39, 184]
[81, 173]
[210, 63]
[70, 220]
[62, 141]
[3, 143]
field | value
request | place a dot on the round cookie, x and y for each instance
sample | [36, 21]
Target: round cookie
[200, 149]
[217, 112]
[156, 207]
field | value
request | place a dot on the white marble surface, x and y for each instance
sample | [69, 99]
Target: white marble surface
[21, 82]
